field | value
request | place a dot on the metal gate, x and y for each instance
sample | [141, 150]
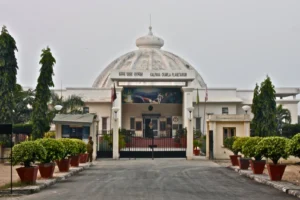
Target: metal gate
[153, 146]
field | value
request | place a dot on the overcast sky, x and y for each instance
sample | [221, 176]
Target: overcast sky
[231, 43]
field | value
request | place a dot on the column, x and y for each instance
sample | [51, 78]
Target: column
[117, 122]
[188, 123]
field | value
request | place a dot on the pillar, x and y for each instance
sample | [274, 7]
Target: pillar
[117, 123]
[188, 123]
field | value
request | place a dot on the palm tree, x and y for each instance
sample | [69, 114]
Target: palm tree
[283, 117]
[71, 105]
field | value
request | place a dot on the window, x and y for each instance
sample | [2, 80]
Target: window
[225, 110]
[138, 126]
[228, 132]
[132, 123]
[198, 123]
[104, 125]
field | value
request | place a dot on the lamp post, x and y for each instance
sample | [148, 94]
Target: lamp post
[190, 109]
[246, 108]
[58, 107]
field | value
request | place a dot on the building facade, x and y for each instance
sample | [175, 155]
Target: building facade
[159, 91]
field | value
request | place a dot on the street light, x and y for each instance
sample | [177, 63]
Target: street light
[190, 109]
[246, 108]
[58, 107]
[115, 110]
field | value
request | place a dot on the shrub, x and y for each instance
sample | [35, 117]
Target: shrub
[239, 143]
[55, 149]
[28, 152]
[293, 147]
[249, 148]
[82, 148]
[71, 147]
[50, 134]
[273, 148]
[228, 142]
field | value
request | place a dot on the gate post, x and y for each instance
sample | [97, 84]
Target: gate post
[115, 124]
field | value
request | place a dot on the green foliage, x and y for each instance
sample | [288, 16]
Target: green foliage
[55, 149]
[249, 148]
[263, 107]
[197, 143]
[28, 152]
[71, 147]
[228, 143]
[238, 144]
[283, 117]
[82, 146]
[289, 130]
[8, 75]
[22, 128]
[40, 117]
[293, 147]
[50, 134]
[273, 148]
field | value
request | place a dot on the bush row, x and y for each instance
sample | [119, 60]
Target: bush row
[272, 148]
[46, 150]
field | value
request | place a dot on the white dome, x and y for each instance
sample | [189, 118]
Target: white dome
[149, 56]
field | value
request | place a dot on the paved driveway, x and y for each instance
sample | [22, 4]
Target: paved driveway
[157, 180]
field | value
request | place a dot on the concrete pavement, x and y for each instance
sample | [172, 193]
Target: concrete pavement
[159, 179]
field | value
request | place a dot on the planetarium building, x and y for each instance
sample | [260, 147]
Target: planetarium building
[153, 103]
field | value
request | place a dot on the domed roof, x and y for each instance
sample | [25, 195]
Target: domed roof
[149, 56]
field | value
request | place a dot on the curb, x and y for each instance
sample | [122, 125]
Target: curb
[44, 183]
[283, 186]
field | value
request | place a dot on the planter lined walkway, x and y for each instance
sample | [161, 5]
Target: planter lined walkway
[43, 183]
[284, 186]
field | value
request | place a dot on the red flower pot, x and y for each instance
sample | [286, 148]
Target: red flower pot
[75, 161]
[257, 166]
[197, 152]
[63, 165]
[276, 171]
[243, 163]
[47, 170]
[234, 160]
[83, 158]
[28, 175]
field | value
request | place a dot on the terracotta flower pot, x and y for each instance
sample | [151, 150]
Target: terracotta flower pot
[75, 161]
[243, 163]
[28, 175]
[234, 160]
[47, 170]
[257, 166]
[83, 158]
[63, 165]
[197, 152]
[276, 171]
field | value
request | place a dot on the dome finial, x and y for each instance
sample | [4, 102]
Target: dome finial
[150, 27]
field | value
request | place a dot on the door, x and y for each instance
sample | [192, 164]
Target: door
[155, 127]
[151, 126]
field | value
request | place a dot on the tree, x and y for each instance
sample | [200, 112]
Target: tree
[264, 122]
[8, 73]
[283, 117]
[23, 99]
[256, 110]
[40, 118]
[71, 105]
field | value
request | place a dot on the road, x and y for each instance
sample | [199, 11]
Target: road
[159, 179]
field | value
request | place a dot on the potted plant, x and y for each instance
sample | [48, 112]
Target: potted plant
[55, 151]
[249, 150]
[196, 148]
[293, 147]
[228, 142]
[273, 148]
[27, 153]
[75, 156]
[71, 148]
[238, 147]
[83, 155]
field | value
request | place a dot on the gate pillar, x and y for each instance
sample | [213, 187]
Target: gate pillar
[188, 119]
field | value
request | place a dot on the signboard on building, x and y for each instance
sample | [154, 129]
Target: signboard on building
[152, 95]
[178, 75]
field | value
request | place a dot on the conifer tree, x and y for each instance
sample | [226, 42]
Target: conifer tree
[40, 105]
